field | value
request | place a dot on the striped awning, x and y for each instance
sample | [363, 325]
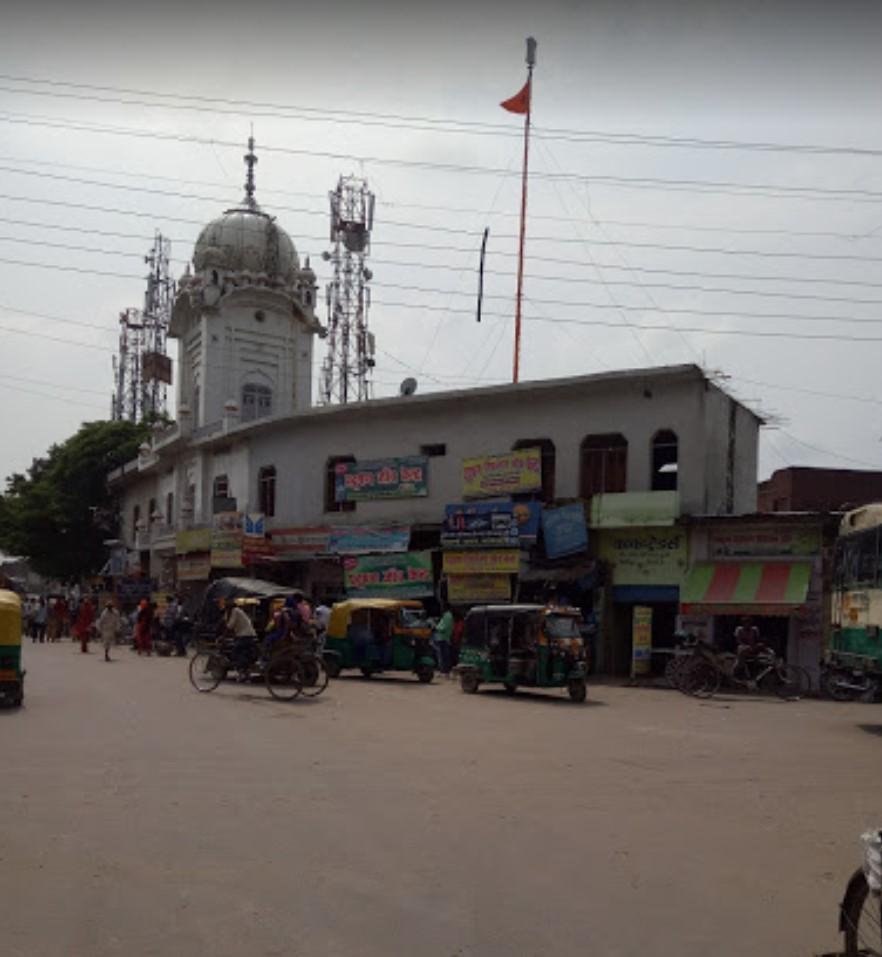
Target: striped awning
[741, 587]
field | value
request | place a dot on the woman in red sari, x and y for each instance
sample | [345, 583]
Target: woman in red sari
[83, 625]
[143, 628]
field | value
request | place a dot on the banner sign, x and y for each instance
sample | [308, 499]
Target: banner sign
[300, 541]
[192, 540]
[475, 588]
[490, 524]
[490, 475]
[641, 640]
[564, 530]
[645, 556]
[381, 478]
[194, 568]
[757, 542]
[498, 561]
[408, 575]
[256, 550]
[226, 540]
[364, 539]
[253, 524]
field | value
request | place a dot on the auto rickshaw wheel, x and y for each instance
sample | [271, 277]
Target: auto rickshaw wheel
[332, 666]
[425, 673]
[366, 672]
[469, 682]
[577, 690]
[510, 687]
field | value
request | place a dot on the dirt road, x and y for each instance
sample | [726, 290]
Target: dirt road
[141, 818]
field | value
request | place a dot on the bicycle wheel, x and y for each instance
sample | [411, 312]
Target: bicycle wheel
[314, 676]
[282, 676]
[789, 681]
[700, 679]
[861, 920]
[207, 670]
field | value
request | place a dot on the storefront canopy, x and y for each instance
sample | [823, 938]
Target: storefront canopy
[758, 588]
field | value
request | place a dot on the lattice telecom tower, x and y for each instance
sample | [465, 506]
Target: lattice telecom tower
[142, 370]
[350, 359]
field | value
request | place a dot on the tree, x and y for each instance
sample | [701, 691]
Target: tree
[48, 515]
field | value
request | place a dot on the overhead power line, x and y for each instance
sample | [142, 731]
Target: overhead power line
[725, 187]
[423, 227]
[438, 124]
[141, 175]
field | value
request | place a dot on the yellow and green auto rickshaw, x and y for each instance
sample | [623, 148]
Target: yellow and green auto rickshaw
[533, 646]
[379, 634]
[11, 674]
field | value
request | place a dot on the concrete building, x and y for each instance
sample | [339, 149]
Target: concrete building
[639, 448]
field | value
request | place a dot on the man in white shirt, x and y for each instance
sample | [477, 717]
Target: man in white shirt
[109, 624]
[238, 624]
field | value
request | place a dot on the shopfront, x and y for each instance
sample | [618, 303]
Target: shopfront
[768, 569]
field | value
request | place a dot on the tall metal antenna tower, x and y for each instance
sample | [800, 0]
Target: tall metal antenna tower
[142, 370]
[347, 367]
[128, 397]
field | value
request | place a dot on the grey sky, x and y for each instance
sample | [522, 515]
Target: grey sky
[748, 73]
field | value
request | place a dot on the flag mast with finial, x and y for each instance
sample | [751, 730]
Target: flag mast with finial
[522, 103]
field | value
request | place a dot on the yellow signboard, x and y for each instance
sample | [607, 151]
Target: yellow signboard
[641, 640]
[645, 556]
[490, 561]
[193, 540]
[504, 474]
[473, 588]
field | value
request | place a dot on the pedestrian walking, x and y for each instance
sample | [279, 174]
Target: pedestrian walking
[144, 628]
[442, 636]
[456, 638]
[39, 619]
[109, 625]
[85, 621]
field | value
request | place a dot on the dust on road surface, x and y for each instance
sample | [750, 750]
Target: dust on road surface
[388, 817]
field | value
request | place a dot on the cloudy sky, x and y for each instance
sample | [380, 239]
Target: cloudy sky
[711, 173]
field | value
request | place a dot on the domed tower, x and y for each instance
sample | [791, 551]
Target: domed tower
[244, 318]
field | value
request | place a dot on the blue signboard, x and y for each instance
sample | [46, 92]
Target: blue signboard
[501, 524]
[365, 539]
[564, 530]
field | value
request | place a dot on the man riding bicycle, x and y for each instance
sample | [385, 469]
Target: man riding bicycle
[236, 623]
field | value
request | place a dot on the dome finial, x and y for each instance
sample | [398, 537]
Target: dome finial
[250, 162]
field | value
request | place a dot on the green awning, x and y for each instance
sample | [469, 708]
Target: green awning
[746, 587]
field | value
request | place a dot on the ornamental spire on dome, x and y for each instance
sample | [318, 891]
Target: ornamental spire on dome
[250, 162]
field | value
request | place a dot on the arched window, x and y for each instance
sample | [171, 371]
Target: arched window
[151, 511]
[664, 461]
[548, 463]
[604, 464]
[257, 401]
[331, 503]
[266, 490]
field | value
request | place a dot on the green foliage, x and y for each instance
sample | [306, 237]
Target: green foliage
[49, 514]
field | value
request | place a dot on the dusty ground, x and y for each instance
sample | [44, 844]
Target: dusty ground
[138, 817]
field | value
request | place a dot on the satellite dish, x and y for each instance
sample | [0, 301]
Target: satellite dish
[408, 387]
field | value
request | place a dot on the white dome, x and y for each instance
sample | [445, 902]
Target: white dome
[247, 239]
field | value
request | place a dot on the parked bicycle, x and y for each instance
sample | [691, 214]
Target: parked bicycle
[703, 670]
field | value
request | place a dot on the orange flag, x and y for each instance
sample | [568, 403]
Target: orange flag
[520, 102]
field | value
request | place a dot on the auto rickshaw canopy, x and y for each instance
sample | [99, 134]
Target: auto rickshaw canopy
[342, 611]
[10, 618]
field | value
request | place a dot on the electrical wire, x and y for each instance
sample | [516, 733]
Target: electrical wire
[572, 134]
[723, 187]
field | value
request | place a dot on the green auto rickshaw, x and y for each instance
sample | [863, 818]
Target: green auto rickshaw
[532, 646]
[377, 635]
[11, 674]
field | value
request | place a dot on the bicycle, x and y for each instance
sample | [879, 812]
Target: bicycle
[281, 671]
[860, 913]
[705, 670]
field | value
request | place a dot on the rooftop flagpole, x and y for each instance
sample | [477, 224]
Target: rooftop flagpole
[522, 103]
